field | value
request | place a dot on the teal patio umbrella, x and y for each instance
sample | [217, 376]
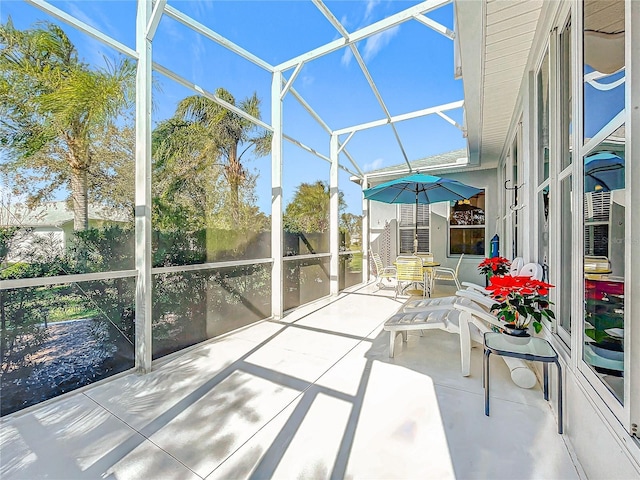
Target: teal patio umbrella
[420, 188]
[603, 171]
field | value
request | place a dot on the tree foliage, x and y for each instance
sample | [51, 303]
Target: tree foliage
[309, 209]
[57, 113]
[198, 163]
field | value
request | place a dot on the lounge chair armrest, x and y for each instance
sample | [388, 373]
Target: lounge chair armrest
[476, 287]
[486, 302]
[480, 315]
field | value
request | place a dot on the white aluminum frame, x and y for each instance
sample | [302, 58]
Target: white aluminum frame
[148, 18]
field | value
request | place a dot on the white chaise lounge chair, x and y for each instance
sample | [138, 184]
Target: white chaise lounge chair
[466, 313]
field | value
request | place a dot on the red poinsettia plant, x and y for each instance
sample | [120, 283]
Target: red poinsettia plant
[494, 266]
[521, 300]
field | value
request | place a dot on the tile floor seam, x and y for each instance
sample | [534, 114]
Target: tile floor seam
[114, 415]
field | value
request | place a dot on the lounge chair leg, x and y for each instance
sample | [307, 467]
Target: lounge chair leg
[465, 343]
[392, 343]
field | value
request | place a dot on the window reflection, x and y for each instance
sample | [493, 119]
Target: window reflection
[543, 119]
[566, 97]
[565, 283]
[543, 231]
[466, 226]
[603, 64]
[604, 193]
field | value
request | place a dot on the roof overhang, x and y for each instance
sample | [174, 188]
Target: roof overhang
[494, 41]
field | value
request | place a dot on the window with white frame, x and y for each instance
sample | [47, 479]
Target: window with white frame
[565, 251]
[602, 157]
[412, 226]
[467, 226]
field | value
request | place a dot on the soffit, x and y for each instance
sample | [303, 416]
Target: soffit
[510, 27]
[604, 16]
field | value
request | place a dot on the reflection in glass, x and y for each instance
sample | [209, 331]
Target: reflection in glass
[542, 92]
[58, 338]
[543, 231]
[566, 248]
[604, 72]
[515, 211]
[465, 216]
[193, 306]
[466, 240]
[305, 280]
[604, 237]
[566, 97]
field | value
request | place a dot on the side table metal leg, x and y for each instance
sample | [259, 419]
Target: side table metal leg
[545, 380]
[560, 420]
[485, 379]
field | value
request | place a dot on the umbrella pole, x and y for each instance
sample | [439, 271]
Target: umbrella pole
[415, 235]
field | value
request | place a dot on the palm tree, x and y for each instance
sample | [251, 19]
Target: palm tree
[310, 207]
[224, 133]
[53, 107]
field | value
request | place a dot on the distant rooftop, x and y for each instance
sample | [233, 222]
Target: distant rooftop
[56, 214]
[453, 158]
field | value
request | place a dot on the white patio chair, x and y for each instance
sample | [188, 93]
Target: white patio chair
[382, 272]
[472, 302]
[472, 291]
[425, 257]
[449, 274]
[533, 270]
[467, 315]
[449, 320]
[516, 265]
[483, 321]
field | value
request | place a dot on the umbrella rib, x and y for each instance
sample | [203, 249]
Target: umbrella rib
[438, 185]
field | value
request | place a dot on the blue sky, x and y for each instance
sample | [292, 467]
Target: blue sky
[411, 65]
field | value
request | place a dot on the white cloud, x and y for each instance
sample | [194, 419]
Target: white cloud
[376, 164]
[346, 57]
[197, 52]
[377, 42]
[371, 4]
[203, 8]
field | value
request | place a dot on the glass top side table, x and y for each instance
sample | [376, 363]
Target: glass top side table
[533, 349]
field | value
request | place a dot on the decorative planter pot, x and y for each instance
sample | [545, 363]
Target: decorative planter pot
[510, 329]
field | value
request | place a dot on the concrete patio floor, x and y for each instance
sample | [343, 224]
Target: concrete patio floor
[313, 396]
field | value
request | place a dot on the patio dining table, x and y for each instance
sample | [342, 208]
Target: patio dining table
[427, 268]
